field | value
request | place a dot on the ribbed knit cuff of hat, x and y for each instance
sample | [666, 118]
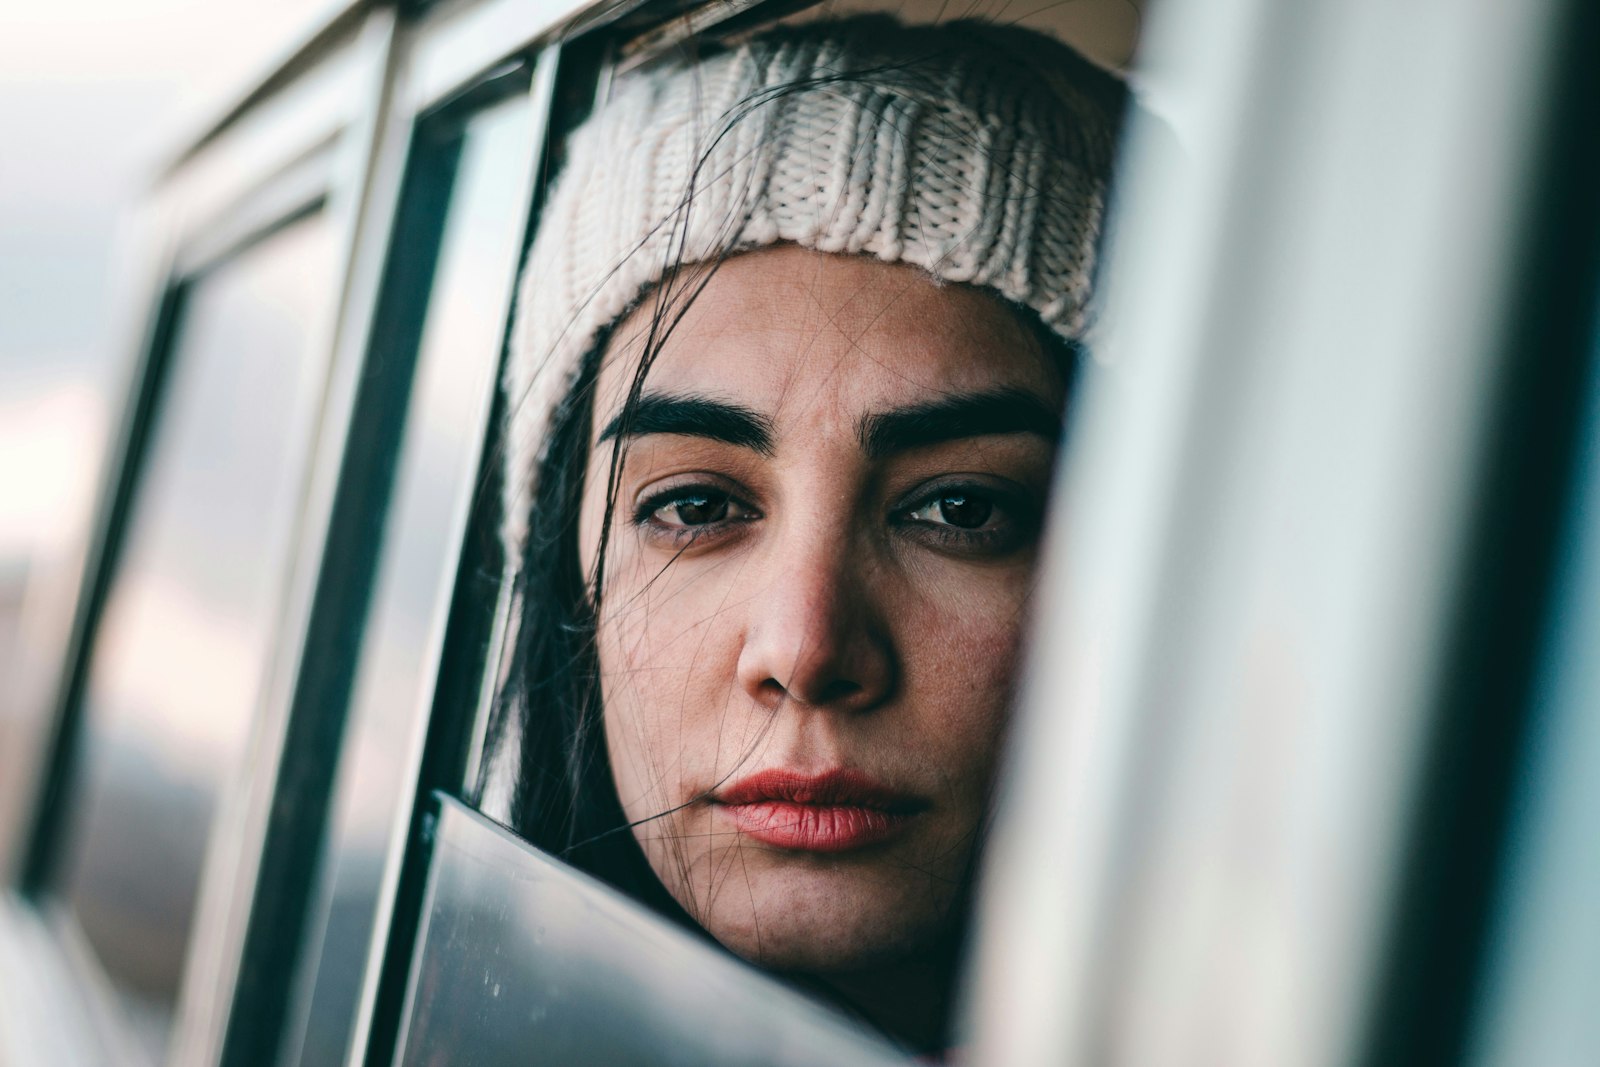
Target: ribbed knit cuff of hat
[979, 153]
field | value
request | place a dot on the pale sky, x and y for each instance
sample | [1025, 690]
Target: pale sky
[94, 95]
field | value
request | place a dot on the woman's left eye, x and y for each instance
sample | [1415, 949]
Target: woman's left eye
[972, 520]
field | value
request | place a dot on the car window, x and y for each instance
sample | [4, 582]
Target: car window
[486, 162]
[517, 951]
[187, 631]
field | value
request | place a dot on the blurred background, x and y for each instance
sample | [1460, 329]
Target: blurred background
[95, 97]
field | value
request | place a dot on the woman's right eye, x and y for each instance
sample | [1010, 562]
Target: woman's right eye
[687, 508]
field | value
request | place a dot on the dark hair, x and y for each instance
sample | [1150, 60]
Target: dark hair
[563, 796]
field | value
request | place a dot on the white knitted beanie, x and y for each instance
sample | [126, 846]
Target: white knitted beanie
[980, 153]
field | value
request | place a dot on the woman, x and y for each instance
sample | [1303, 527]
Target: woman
[791, 354]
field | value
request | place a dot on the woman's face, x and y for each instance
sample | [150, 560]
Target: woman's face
[822, 545]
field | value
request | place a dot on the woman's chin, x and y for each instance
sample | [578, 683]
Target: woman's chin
[795, 948]
[821, 921]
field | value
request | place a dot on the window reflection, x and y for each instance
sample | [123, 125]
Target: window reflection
[186, 637]
[458, 355]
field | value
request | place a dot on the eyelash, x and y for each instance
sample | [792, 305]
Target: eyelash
[1018, 516]
[644, 514]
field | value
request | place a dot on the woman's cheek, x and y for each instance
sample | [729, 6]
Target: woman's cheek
[666, 663]
[671, 620]
[964, 658]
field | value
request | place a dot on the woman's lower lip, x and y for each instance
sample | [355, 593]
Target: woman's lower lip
[815, 827]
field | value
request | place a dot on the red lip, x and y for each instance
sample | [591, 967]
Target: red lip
[835, 811]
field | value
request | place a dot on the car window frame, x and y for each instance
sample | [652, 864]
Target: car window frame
[302, 152]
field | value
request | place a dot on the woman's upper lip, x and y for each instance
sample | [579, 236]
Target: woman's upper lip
[833, 788]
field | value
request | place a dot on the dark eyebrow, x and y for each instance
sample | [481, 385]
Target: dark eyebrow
[1001, 411]
[693, 415]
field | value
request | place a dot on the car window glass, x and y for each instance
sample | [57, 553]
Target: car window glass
[516, 951]
[436, 477]
[183, 645]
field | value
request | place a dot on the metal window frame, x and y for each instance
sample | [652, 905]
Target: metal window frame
[204, 218]
[487, 89]
[304, 150]
[1173, 879]
[223, 968]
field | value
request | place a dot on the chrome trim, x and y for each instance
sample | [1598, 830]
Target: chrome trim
[49, 634]
[334, 30]
[211, 188]
[295, 191]
[366, 167]
[487, 688]
[400, 827]
[458, 45]
[542, 99]
[1250, 577]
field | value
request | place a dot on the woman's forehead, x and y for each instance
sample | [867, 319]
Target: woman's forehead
[788, 330]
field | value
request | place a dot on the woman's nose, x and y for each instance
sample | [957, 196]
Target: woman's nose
[815, 636]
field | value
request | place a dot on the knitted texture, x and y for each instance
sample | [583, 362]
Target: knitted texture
[979, 153]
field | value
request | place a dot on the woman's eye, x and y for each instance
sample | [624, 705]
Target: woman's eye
[963, 510]
[974, 520]
[686, 509]
[694, 509]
